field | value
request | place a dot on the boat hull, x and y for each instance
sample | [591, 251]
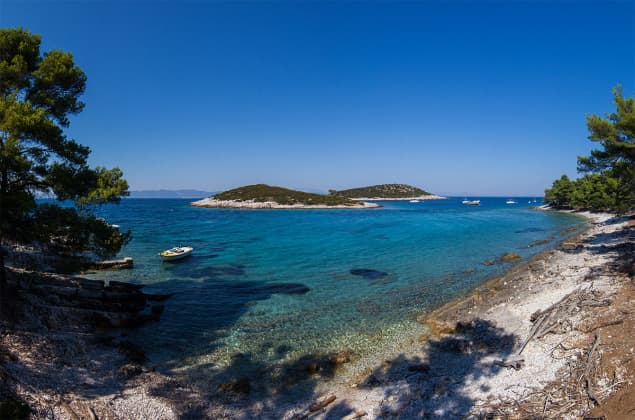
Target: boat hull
[171, 255]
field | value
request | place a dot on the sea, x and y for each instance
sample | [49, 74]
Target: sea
[273, 286]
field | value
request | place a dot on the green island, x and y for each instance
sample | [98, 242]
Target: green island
[383, 191]
[263, 192]
[267, 196]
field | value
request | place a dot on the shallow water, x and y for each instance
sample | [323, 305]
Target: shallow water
[279, 284]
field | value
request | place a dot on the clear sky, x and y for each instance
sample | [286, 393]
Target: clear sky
[459, 98]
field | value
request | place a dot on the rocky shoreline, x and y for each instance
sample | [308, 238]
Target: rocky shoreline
[251, 204]
[65, 351]
[483, 355]
[421, 197]
[519, 345]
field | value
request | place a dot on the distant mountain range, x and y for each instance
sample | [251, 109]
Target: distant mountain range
[170, 194]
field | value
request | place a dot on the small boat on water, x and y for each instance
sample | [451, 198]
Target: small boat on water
[510, 201]
[465, 201]
[176, 253]
[414, 201]
[474, 203]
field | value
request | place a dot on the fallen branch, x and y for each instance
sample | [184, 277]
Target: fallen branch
[322, 404]
[589, 359]
[515, 364]
[604, 324]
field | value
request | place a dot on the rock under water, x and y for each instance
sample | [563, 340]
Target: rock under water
[286, 288]
[368, 273]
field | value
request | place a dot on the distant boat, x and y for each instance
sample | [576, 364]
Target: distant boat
[510, 201]
[474, 203]
[176, 253]
[414, 201]
[465, 201]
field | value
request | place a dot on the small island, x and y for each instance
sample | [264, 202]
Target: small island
[262, 196]
[386, 192]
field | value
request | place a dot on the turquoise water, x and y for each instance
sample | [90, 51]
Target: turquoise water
[279, 284]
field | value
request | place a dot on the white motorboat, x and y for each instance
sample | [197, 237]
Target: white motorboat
[414, 201]
[474, 203]
[465, 201]
[510, 201]
[176, 253]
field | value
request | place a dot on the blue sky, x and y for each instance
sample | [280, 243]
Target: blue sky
[459, 98]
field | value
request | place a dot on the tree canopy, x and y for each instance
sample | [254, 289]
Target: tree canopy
[609, 183]
[39, 92]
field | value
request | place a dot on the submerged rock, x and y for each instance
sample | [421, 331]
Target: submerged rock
[287, 288]
[368, 273]
[368, 308]
[438, 327]
[341, 357]
[530, 230]
[538, 243]
[510, 256]
[507, 257]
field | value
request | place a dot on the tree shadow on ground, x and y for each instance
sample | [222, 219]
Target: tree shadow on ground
[438, 384]
[250, 387]
[52, 350]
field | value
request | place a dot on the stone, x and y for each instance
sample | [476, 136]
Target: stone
[341, 357]
[90, 284]
[237, 386]
[368, 274]
[438, 327]
[371, 381]
[510, 256]
[132, 351]
[286, 288]
[130, 370]
[419, 367]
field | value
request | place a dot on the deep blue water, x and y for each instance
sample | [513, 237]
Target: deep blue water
[278, 284]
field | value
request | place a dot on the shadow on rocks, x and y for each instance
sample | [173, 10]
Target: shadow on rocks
[442, 383]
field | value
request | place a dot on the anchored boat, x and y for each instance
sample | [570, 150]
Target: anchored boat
[176, 253]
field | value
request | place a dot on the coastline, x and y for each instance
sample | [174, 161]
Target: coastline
[250, 204]
[450, 371]
[454, 371]
[422, 197]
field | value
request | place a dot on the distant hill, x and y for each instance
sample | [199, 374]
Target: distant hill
[382, 191]
[170, 194]
[262, 193]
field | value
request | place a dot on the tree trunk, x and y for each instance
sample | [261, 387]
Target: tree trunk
[4, 181]
[3, 281]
